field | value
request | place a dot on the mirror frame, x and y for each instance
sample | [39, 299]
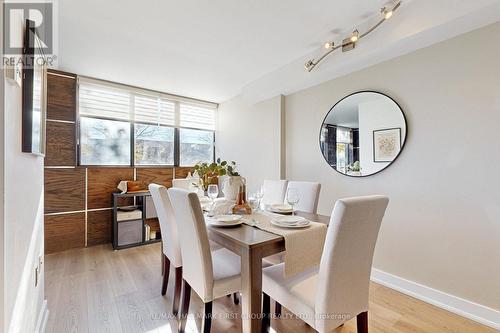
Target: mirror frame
[347, 96]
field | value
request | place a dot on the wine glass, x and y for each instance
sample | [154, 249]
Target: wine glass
[259, 195]
[292, 197]
[213, 192]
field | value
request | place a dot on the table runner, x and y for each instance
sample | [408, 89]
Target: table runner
[303, 246]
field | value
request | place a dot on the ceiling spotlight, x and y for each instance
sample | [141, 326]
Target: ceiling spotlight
[329, 45]
[355, 36]
[349, 43]
[387, 13]
[309, 65]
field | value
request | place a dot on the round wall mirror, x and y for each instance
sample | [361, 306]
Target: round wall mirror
[363, 134]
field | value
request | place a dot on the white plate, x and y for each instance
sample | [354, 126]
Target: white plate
[281, 209]
[290, 222]
[216, 223]
[227, 218]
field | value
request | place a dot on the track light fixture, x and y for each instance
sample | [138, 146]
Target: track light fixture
[350, 43]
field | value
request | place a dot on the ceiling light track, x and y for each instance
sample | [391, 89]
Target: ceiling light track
[349, 43]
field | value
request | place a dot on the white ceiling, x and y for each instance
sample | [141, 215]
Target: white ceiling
[217, 49]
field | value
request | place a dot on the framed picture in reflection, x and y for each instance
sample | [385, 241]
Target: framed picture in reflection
[386, 144]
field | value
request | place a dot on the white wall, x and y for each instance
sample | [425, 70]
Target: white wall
[251, 136]
[23, 222]
[442, 227]
[375, 115]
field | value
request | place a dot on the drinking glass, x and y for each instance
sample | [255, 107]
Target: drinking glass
[259, 195]
[213, 192]
[292, 197]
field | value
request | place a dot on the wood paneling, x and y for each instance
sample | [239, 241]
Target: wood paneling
[182, 172]
[63, 232]
[64, 190]
[99, 224]
[162, 176]
[61, 146]
[61, 96]
[102, 183]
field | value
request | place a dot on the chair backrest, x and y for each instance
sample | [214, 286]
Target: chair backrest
[274, 191]
[168, 227]
[184, 183]
[346, 262]
[308, 195]
[197, 267]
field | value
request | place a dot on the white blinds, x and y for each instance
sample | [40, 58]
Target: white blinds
[108, 100]
[103, 101]
[197, 117]
[154, 110]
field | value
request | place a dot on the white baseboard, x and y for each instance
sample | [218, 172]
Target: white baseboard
[43, 317]
[462, 307]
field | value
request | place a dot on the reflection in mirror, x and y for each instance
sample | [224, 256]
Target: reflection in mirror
[363, 134]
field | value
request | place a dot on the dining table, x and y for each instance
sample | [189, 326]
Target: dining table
[252, 245]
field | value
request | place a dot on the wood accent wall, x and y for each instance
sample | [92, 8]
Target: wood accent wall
[78, 200]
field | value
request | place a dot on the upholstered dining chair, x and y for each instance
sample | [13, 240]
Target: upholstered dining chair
[170, 241]
[211, 274]
[336, 291]
[308, 202]
[308, 195]
[274, 191]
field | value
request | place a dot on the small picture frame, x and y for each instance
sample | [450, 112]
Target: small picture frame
[386, 144]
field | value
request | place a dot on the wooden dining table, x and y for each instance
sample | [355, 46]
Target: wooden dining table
[252, 244]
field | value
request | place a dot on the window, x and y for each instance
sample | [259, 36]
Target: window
[196, 146]
[122, 125]
[154, 145]
[104, 142]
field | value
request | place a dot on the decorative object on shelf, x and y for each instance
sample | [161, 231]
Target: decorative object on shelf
[349, 43]
[386, 144]
[152, 235]
[242, 206]
[127, 186]
[363, 134]
[210, 173]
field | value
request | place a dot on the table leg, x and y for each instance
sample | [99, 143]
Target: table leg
[251, 284]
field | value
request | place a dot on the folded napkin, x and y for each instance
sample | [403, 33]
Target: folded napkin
[220, 207]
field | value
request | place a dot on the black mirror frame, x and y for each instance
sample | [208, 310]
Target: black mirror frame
[402, 144]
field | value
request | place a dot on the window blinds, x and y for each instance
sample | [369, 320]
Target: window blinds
[193, 116]
[113, 101]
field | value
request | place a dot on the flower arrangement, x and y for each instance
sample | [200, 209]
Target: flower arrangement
[209, 172]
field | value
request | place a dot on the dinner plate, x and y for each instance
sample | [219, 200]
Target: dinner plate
[292, 221]
[283, 209]
[225, 220]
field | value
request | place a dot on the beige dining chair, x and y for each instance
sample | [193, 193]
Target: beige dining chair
[308, 202]
[336, 291]
[274, 191]
[170, 241]
[308, 195]
[211, 274]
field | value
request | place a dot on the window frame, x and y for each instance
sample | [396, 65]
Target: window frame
[136, 90]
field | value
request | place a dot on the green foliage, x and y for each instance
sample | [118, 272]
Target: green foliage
[209, 172]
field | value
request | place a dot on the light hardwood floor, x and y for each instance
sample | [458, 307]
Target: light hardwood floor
[100, 290]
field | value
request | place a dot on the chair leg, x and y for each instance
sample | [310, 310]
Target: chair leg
[177, 292]
[362, 320]
[186, 297]
[166, 273]
[207, 318]
[266, 313]
[277, 309]
[236, 298]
